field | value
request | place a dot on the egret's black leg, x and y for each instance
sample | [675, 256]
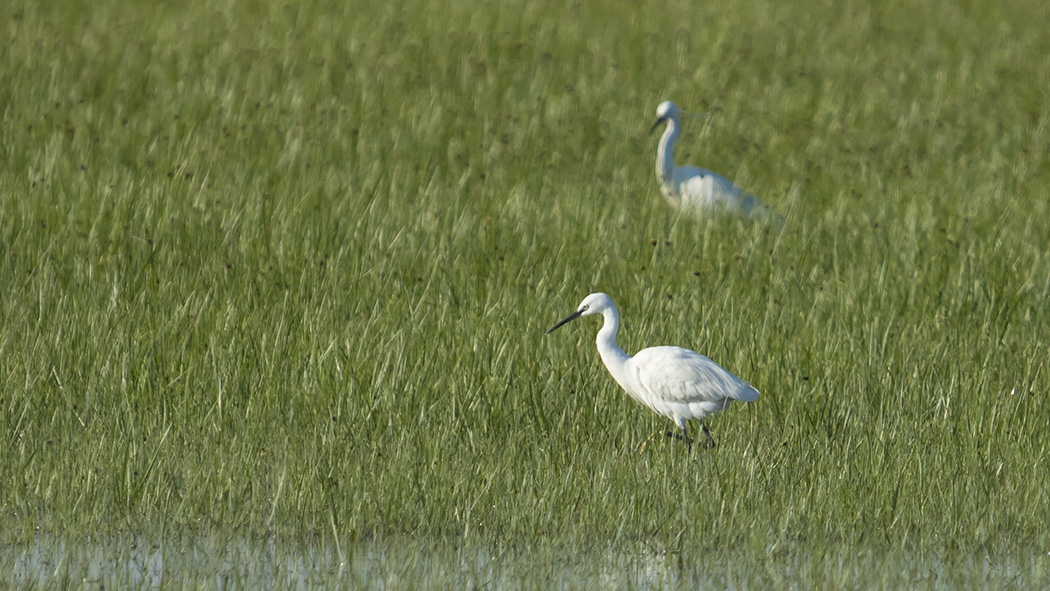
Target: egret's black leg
[710, 442]
[684, 436]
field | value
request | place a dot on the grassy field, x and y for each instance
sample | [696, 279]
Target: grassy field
[284, 270]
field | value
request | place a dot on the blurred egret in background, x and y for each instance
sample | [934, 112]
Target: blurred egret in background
[694, 189]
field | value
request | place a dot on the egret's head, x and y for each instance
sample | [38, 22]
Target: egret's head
[596, 303]
[665, 111]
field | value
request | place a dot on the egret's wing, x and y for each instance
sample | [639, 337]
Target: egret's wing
[680, 375]
[702, 188]
[721, 185]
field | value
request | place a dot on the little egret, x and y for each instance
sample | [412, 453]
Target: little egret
[697, 189]
[675, 382]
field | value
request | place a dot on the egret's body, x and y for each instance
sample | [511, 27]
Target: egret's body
[675, 382]
[694, 189]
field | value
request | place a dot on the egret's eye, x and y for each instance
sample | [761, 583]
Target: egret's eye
[584, 308]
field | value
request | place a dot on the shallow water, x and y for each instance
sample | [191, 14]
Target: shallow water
[237, 562]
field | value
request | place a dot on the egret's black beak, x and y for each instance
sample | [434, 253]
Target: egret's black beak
[567, 320]
[657, 124]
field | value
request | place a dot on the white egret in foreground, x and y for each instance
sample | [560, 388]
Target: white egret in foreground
[675, 382]
[697, 189]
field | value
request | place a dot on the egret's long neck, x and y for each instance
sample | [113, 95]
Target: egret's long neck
[665, 156]
[614, 358]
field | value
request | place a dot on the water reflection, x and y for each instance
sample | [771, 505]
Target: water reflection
[239, 562]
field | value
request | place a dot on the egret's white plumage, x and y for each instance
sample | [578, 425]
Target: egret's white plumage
[697, 189]
[675, 382]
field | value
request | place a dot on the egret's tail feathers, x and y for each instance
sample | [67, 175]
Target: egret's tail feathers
[754, 208]
[747, 394]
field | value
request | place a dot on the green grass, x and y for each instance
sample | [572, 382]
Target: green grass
[285, 269]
